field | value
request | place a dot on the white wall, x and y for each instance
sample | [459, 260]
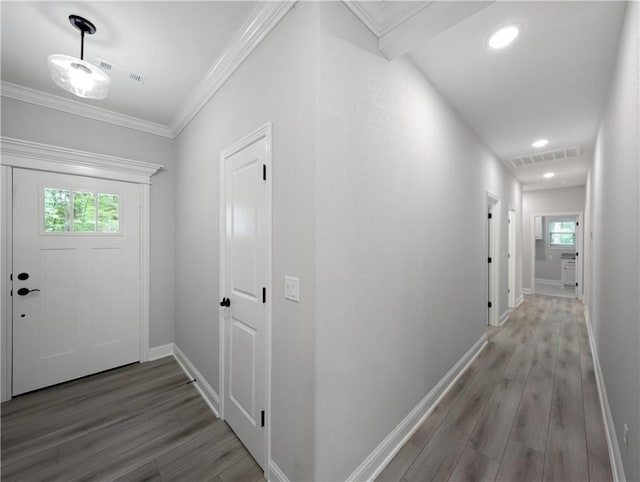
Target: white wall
[276, 83]
[400, 248]
[613, 249]
[34, 123]
[546, 201]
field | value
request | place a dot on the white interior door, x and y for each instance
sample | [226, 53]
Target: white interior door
[76, 277]
[246, 201]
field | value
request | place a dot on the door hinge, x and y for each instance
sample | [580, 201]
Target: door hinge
[576, 283]
[577, 254]
[577, 224]
[489, 215]
[508, 290]
[489, 304]
[262, 419]
[11, 277]
[264, 172]
[489, 259]
[264, 295]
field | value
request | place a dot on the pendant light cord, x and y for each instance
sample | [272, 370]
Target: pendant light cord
[81, 44]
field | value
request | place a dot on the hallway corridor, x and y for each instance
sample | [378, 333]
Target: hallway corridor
[526, 409]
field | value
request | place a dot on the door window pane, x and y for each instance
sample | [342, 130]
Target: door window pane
[57, 210]
[84, 212]
[68, 211]
[108, 213]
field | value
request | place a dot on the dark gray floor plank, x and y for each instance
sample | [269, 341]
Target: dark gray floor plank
[245, 470]
[597, 449]
[115, 427]
[492, 431]
[521, 464]
[520, 363]
[566, 453]
[440, 411]
[544, 360]
[567, 387]
[474, 467]
[532, 419]
[38, 437]
[29, 465]
[146, 473]
[438, 459]
[400, 463]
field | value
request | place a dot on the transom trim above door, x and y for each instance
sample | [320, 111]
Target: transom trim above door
[45, 157]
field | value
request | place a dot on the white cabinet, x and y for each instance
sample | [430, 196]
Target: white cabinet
[568, 271]
[538, 227]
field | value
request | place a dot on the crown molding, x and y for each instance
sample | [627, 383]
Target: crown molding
[379, 21]
[264, 18]
[34, 155]
[44, 99]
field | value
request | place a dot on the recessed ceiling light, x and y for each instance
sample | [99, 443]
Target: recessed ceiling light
[540, 143]
[548, 174]
[503, 36]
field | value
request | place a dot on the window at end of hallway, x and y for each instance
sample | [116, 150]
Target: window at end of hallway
[561, 233]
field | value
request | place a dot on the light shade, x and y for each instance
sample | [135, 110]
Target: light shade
[548, 175]
[78, 77]
[503, 37]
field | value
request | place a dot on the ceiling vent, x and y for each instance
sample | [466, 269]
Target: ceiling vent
[108, 66]
[539, 157]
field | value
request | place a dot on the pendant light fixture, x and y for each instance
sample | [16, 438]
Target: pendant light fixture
[76, 75]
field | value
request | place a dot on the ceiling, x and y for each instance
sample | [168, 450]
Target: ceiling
[550, 83]
[173, 44]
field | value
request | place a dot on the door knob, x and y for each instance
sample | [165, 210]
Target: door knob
[23, 276]
[25, 291]
[225, 302]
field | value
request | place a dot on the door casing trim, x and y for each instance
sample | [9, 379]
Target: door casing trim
[263, 132]
[44, 157]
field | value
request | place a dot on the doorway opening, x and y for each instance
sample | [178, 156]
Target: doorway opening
[556, 262]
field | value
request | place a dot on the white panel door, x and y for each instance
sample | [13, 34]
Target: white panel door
[76, 277]
[245, 265]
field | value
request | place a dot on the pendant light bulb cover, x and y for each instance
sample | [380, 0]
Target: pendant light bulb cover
[78, 77]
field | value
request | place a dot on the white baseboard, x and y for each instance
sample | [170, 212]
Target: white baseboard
[520, 299]
[550, 282]
[275, 473]
[505, 316]
[527, 291]
[371, 467]
[609, 426]
[208, 393]
[160, 351]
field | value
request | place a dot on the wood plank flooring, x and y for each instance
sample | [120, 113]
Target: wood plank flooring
[135, 423]
[526, 409]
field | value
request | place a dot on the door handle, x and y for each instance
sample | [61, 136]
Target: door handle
[225, 302]
[25, 291]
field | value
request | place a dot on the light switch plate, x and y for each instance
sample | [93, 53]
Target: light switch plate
[292, 289]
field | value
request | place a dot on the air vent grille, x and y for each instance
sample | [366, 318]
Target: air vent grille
[114, 69]
[557, 155]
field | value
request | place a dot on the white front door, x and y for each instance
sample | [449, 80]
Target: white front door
[246, 207]
[76, 277]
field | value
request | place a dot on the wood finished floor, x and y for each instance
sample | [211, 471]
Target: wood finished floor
[142, 422]
[526, 409]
